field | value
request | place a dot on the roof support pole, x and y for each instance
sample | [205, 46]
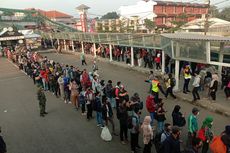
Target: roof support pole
[65, 48]
[72, 42]
[163, 62]
[94, 50]
[52, 43]
[82, 47]
[208, 50]
[132, 56]
[177, 70]
[110, 53]
[221, 58]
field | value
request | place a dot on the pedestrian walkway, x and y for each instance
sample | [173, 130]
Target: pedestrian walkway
[221, 106]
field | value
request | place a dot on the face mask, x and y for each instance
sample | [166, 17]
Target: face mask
[198, 113]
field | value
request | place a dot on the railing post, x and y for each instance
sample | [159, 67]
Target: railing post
[110, 53]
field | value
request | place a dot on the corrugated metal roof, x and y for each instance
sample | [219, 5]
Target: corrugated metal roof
[189, 36]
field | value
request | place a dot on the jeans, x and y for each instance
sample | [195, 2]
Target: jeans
[156, 96]
[190, 138]
[213, 95]
[205, 147]
[134, 141]
[112, 102]
[160, 126]
[170, 91]
[195, 93]
[123, 131]
[89, 111]
[152, 115]
[45, 84]
[99, 118]
[186, 83]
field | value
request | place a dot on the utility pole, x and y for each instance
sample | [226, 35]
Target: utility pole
[206, 24]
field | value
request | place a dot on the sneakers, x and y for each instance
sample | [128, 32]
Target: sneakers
[115, 134]
[98, 125]
[123, 142]
[65, 102]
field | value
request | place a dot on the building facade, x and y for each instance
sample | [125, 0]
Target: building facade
[167, 12]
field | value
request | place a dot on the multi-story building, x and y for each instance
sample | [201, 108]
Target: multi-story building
[168, 11]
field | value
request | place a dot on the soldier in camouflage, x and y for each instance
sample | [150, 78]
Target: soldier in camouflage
[42, 101]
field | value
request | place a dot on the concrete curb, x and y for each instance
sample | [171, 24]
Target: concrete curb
[201, 103]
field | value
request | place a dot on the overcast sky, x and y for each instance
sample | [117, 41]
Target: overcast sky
[97, 7]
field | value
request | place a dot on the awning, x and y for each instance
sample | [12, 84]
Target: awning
[198, 37]
[34, 35]
[11, 38]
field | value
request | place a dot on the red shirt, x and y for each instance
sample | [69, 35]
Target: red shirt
[150, 104]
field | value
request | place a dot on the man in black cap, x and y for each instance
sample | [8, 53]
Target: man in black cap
[2, 144]
[192, 126]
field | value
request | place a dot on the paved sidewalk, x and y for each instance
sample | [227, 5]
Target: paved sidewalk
[221, 106]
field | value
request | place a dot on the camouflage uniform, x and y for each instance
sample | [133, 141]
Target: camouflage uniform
[42, 101]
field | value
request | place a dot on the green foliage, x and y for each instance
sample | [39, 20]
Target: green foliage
[181, 20]
[149, 24]
[224, 14]
[213, 11]
[110, 15]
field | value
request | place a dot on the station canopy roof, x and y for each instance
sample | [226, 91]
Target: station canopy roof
[195, 37]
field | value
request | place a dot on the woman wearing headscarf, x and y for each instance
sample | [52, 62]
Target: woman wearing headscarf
[205, 133]
[178, 117]
[213, 86]
[147, 134]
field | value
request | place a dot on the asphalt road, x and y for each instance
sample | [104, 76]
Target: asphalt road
[64, 130]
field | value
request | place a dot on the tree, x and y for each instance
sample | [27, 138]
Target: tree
[224, 14]
[179, 22]
[213, 11]
[110, 15]
[149, 24]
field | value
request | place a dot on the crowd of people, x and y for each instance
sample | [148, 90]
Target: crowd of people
[86, 91]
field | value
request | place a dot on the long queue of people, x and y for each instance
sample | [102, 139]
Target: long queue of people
[86, 91]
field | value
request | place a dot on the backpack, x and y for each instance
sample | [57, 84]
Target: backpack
[182, 122]
[157, 142]
[130, 121]
[217, 146]
[172, 82]
[82, 99]
[201, 134]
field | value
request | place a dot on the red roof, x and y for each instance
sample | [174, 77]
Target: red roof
[55, 14]
[51, 14]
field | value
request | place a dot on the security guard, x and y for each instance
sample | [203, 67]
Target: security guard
[187, 77]
[42, 101]
[155, 86]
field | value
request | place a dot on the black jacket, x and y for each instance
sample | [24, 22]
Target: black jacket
[122, 115]
[171, 145]
[2, 145]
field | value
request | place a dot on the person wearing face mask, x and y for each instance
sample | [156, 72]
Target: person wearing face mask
[172, 143]
[205, 133]
[192, 126]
